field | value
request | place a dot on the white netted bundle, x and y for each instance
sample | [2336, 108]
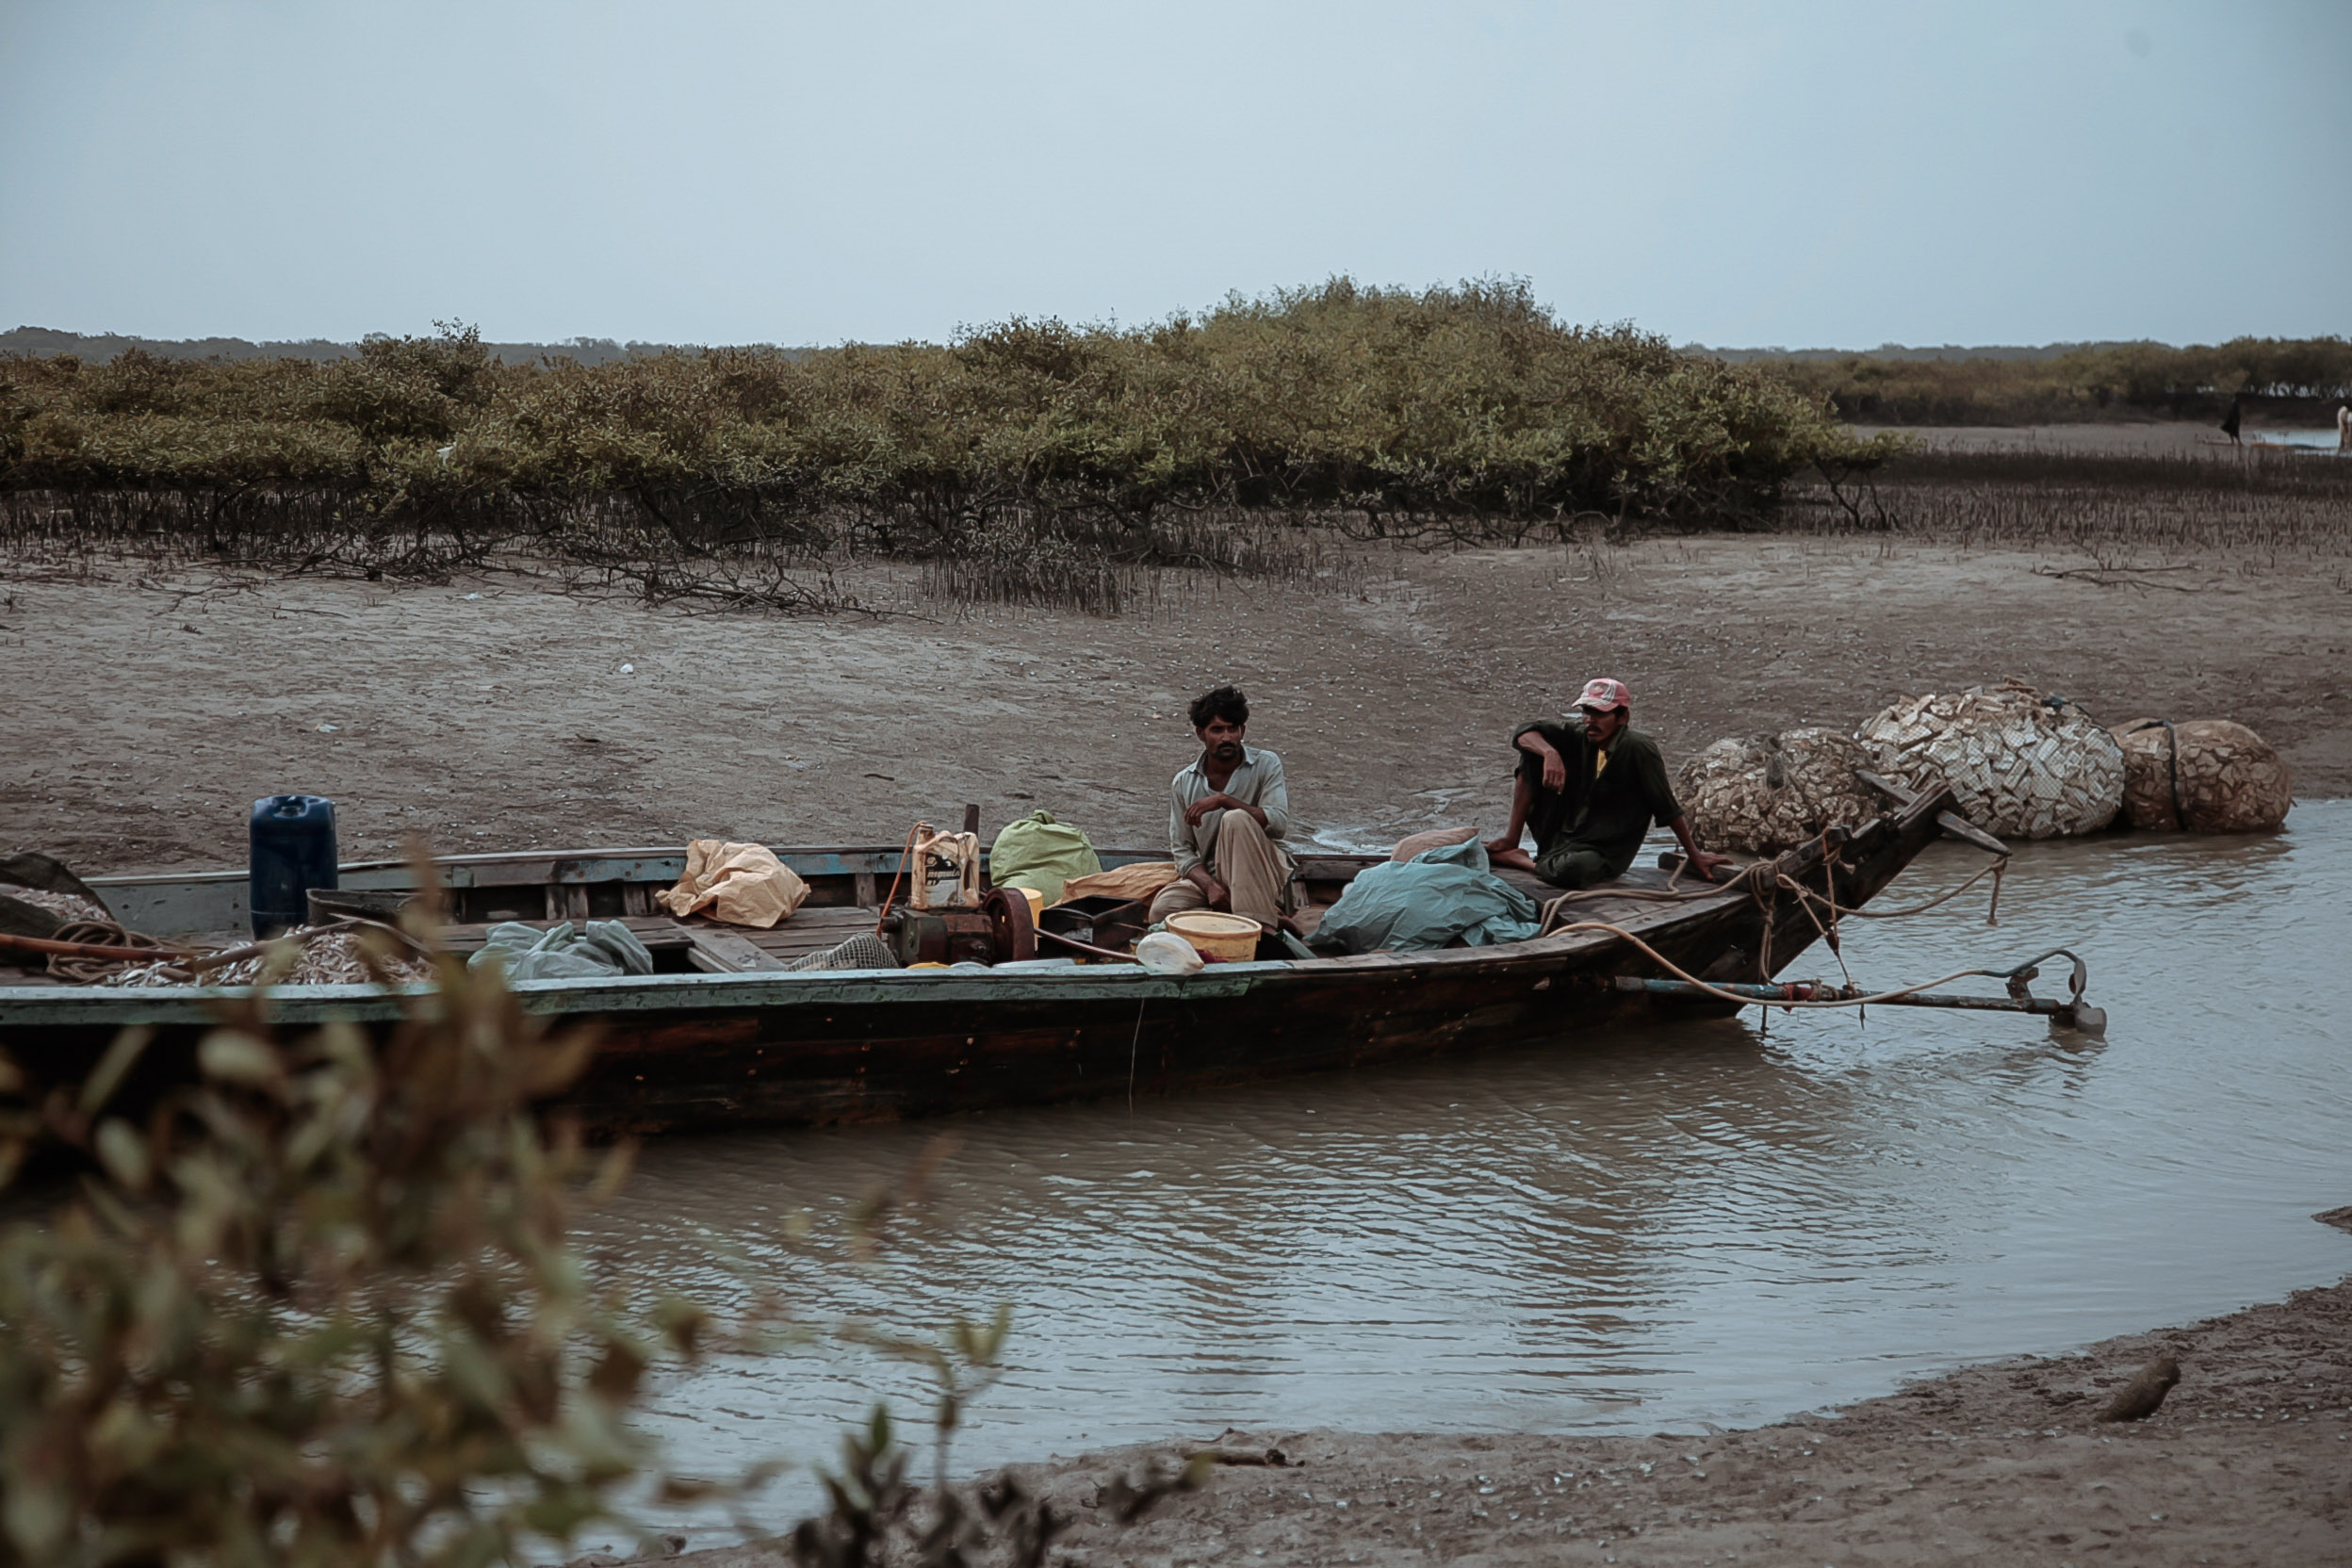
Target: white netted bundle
[1762, 797]
[2020, 766]
[2202, 776]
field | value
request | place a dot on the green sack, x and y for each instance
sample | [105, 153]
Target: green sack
[1041, 853]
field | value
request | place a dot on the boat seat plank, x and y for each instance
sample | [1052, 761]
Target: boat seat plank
[728, 953]
[813, 930]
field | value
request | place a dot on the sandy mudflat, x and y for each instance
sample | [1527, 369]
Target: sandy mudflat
[2249, 1462]
[145, 713]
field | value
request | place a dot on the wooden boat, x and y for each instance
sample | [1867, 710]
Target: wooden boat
[727, 1036]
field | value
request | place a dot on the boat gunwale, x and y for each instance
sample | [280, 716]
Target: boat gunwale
[42, 1003]
[21, 1004]
[559, 857]
[34, 1005]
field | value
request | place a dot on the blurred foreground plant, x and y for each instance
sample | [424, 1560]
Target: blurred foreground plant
[317, 1307]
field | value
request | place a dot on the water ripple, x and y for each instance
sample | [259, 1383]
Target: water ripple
[1720, 1222]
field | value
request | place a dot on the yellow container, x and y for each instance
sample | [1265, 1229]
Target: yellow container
[1217, 937]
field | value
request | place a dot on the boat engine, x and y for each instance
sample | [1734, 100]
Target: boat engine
[948, 920]
[998, 931]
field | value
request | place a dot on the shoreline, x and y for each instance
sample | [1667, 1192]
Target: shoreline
[2247, 1461]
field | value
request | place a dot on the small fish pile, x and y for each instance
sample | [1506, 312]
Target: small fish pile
[63, 906]
[328, 958]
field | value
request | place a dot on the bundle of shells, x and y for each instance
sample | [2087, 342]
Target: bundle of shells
[2020, 765]
[2202, 776]
[1762, 797]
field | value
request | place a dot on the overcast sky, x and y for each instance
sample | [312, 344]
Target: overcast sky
[1794, 175]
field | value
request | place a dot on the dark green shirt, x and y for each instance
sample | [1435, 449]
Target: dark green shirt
[1610, 813]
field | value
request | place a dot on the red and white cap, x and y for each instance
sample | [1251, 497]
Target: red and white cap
[1601, 694]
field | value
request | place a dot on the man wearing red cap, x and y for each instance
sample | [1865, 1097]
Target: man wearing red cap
[1589, 789]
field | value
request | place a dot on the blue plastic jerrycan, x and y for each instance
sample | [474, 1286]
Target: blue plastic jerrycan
[293, 850]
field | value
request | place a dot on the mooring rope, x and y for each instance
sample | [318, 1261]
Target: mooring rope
[1555, 908]
[2172, 739]
[1681, 973]
[110, 949]
[1830, 864]
[1765, 880]
[1992, 915]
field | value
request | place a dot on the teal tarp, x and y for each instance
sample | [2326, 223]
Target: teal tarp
[1041, 853]
[559, 953]
[1426, 901]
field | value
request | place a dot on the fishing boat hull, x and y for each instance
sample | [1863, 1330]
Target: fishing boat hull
[700, 1049]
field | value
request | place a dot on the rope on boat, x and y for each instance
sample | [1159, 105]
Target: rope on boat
[1554, 909]
[1686, 976]
[1992, 915]
[1766, 894]
[88, 951]
[1828, 933]
[97, 948]
[1807, 900]
[904, 855]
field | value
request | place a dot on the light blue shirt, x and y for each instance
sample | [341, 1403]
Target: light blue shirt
[1257, 782]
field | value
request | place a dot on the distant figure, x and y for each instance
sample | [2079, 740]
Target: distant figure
[2344, 428]
[2230, 420]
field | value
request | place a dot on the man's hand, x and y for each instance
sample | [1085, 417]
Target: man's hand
[1206, 804]
[1502, 845]
[1218, 895]
[1555, 766]
[1705, 862]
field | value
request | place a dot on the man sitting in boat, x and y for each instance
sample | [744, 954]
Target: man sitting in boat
[1590, 785]
[1228, 811]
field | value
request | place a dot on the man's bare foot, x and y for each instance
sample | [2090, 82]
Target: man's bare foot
[1501, 853]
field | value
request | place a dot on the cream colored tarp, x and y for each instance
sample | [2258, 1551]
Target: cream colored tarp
[1139, 880]
[740, 883]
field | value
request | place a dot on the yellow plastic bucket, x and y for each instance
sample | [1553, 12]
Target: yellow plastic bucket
[1217, 937]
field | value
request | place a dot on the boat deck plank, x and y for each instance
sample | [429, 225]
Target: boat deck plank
[811, 930]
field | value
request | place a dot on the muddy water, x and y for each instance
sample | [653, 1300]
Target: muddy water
[1721, 1223]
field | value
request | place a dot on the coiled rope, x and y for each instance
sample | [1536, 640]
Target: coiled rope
[138, 948]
